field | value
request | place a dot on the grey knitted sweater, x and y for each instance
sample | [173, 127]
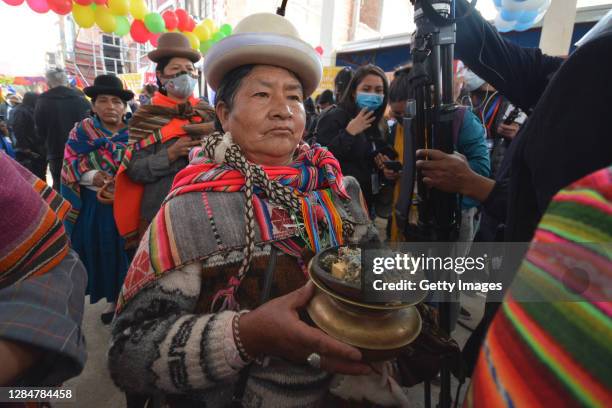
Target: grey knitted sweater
[162, 345]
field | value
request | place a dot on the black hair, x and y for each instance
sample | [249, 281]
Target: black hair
[161, 65]
[150, 88]
[93, 100]
[29, 99]
[342, 80]
[348, 98]
[327, 96]
[309, 105]
[228, 88]
[400, 89]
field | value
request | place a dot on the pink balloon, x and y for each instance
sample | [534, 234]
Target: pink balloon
[319, 50]
[83, 2]
[153, 39]
[14, 2]
[100, 2]
[39, 6]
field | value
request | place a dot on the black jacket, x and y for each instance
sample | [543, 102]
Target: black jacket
[57, 111]
[355, 153]
[567, 134]
[24, 129]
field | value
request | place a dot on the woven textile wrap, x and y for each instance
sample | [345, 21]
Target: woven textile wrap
[33, 239]
[204, 214]
[158, 122]
[556, 353]
[90, 147]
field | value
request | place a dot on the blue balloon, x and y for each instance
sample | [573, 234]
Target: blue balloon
[528, 17]
[498, 3]
[523, 26]
[510, 15]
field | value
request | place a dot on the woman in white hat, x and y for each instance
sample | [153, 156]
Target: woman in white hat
[195, 321]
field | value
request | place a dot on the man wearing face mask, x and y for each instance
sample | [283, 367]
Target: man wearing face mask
[160, 137]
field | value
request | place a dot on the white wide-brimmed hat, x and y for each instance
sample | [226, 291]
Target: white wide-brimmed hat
[266, 39]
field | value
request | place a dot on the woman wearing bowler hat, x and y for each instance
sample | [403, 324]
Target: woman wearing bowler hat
[91, 159]
[161, 136]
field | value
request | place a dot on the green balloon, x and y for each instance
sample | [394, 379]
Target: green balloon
[154, 23]
[205, 46]
[123, 26]
[93, 6]
[226, 29]
[218, 36]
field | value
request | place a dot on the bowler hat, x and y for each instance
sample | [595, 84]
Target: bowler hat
[108, 84]
[174, 45]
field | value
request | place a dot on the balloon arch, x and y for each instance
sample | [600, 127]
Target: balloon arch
[123, 17]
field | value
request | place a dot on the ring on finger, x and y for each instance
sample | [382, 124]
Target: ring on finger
[314, 360]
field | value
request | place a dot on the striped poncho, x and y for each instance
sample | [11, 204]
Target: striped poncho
[90, 147]
[556, 350]
[33, 240]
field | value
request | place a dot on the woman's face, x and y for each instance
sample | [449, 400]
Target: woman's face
[371, 84]
[267, 118]
[175, 66]
[110, 109]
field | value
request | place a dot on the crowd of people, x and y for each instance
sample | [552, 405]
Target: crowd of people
[196, 222]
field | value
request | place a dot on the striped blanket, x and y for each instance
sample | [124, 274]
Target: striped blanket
[90, 147]
[557, 351]
[33, 239]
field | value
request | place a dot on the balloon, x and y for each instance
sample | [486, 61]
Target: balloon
[319, 50]
[123, 26]
[183, 19]
[170, 19]
[61, 7]
[139, 32]
[105, 20]
[153, 39]
[202, 32]
[226, 29]
[509, 15]
[205, 46]
[193, 40]
[138, 9]
[155, 23]
[84, 16]
[119, 7]
[39, 6]
[83, 2]
[502, 25]
[14, 2]
[528, 17]
[100, 2]
[218, 36]
[191, 24]
[208, 23]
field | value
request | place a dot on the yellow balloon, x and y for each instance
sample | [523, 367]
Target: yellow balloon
[193, 40]
[84, 16]
[138, 9]
[201, 31]
[105, 20]
[208, 23]
[119, 7]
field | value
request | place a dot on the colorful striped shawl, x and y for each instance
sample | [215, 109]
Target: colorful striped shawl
[90, 147]
[556, 353]
[159, 122]
[33, 239]
[315, 174]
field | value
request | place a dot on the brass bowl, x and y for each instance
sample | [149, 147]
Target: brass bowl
[379, 333]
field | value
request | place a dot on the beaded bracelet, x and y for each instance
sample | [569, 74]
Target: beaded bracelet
[246, 357]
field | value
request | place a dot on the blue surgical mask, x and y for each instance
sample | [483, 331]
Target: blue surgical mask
[371, 101]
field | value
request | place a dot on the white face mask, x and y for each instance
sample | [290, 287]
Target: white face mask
[181, 85]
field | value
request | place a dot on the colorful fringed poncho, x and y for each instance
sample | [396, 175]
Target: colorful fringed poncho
[556, 350]
[191, 227]
[90, 147]
[33, 240]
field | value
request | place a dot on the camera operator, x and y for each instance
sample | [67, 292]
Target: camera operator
[558, 144]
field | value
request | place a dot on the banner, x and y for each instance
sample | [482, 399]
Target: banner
[327, 81]
[132, 81]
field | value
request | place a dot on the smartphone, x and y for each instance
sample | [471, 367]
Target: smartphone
[394, 165]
